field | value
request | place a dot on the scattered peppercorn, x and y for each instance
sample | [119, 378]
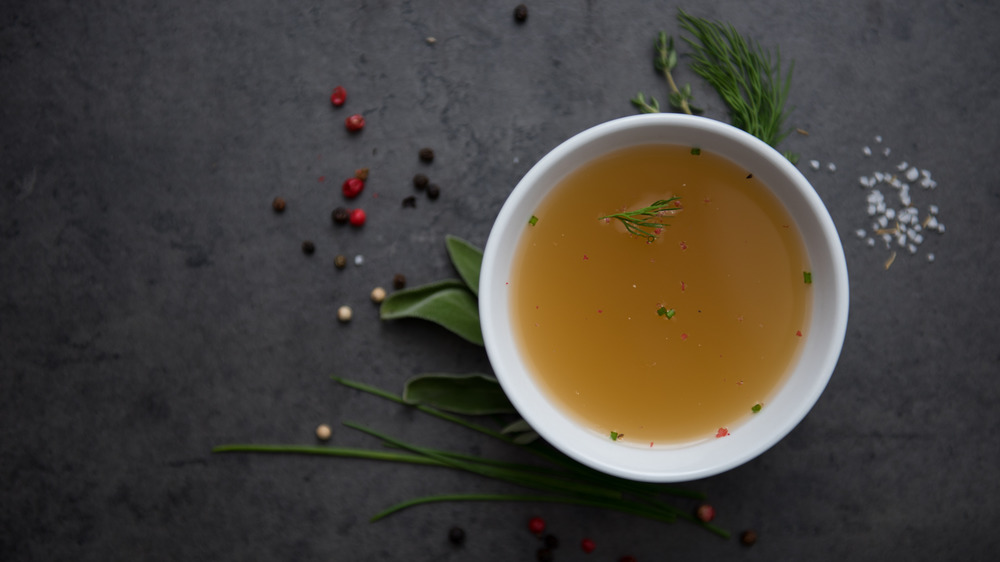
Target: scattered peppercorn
[341, 215]
[627, 559]
[398, 281]
[587, 545]
[551, 541]
[420, 181]
[278, 204]
[308, 247]
[355, 123]
[357, 217]
[427, 155]
[378, 294]
[456, 535]
[705, 513]
[410, 201]
[544, 555]
[536, 525]
[748, 537]
[361, 174]
[352, 187]
[344, 313]
[323, 432]
[433, 191]
[340, 262]
[520, 13]
[339, 96]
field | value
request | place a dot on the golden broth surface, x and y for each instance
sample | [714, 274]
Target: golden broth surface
[585, 296]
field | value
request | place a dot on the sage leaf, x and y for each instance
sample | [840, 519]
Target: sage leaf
[516, 427]
[471, 394]
[448, 303]
[467, 259]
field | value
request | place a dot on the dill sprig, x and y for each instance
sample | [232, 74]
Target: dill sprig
[665, 60]
[744, 75]
[647, 221]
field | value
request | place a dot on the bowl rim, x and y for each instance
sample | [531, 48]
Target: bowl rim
[797, 395]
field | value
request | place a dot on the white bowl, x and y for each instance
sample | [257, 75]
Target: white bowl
[800, 389]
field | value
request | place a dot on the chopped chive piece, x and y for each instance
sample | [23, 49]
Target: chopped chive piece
[662, 311]
[670, 313]
[807, 276]
[614, 436]
[756, 407]
[696, 151]
[533, 220]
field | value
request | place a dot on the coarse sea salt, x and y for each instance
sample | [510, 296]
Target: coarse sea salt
[895, 217]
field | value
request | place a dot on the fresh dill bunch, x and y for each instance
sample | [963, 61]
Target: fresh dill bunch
[743, 73]
[645, 222]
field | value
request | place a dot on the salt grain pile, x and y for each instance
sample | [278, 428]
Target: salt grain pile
[897, 223]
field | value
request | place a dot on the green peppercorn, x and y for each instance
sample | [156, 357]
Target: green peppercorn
[433, 191]
[340, 262]
[341, 215]
[520, 13]
[308, 247]
[398, 281]
[278, 204]
[420, 181]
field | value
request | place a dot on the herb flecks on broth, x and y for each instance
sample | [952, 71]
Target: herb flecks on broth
[647, 222]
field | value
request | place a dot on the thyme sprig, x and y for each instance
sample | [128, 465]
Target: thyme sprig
[746, 76]
[647, 221]
[665, 60]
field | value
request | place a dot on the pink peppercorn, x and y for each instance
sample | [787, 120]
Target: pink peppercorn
[339, 96]
[536, 525]
[352, 187]
[355, 123]
[357, 217]
[587, 545]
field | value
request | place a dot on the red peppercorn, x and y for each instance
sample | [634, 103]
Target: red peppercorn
[355, 123]
[339, 96]
[352, 187]
[587, 545]
[705, 513]
[357, 217]
[536, 525]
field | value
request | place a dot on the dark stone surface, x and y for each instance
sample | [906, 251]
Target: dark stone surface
[152, 305]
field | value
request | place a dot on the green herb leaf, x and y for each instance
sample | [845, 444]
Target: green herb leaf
[646, 221]
[652, 106]
[756, 407]
[695, 151]
[670, 313]
[745, 75]
[448, 303]
[807, 277]
[472, 394]
[662, 311]
[614, 436]
[516, 427]
[467, 259]
[534, 220]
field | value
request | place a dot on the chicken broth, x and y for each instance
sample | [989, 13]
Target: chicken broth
[665, 341]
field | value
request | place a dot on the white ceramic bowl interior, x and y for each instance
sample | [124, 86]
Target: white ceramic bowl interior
[802, 387]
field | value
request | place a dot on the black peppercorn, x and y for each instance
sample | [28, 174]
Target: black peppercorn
[748, 537]
[433, 191]
[410, 201]
[544, 555]
[341, 215]
[398, 281]
[520, 13]
[278, 204]
[427, 155]
[551, 542]
[340, 262]
[420, 181]
[308, 247]
[456, 535]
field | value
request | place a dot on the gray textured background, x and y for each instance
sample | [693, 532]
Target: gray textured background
[152, 305]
